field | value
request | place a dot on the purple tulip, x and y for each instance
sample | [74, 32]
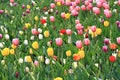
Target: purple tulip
[23, 6]
[104, 48]
[106, 41]
[0, 36]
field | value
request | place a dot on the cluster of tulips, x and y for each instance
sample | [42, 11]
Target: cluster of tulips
[60, 40]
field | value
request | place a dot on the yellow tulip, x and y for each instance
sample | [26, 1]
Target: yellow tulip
[67, 16]
[50, 51]
[68, 53]
[28, 59]
[5, 51]
[58, 78]
[106, 23]
[12, 51]
[46, 33]
[35, 45]
[81, 53]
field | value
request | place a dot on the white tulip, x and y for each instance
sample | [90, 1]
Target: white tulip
[32, 37]
[26, 42]
[39, 30]
[3, 62]
[20, 60]
[75, 65]
[27, 69]
[40, 36]
[47, 61]
[1, 45]
[7, 36]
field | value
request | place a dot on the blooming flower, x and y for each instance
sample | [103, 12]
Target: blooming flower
[5, 51]
[12, 51]
[28, 59]
[67, 16]
[81, 53]
[59, 41]
[35, 45]
[112, 58]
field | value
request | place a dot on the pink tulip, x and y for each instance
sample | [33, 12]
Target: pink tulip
[11, 1]
[67, 3]
[74, 4]
[80, 32]
[34, 31]
[52, 18]
[118, 40]
[106, 6]
[15, 41]
[119, 2]
[0, 36]
[36, 63]
[106, 41]
[86, 41]
[74, 12]
[59, 41]
[77, 8]
[71, 8]
[89, 7]
[83, 8]
[87, 3]
[96, 10]
[63, 15]
[99, 4]
[68, 31]
[107, 13]
[104, 48]
[52, 5]
[79, 44]
[77, 21]
[77, 1]
[1, 11]
[79, 26]
[93, 28]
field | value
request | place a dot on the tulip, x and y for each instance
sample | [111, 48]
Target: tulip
[118, 40]
[119, 2]
[79, 26]
[68, 31]
[15, 41]
[52, 18]
[1, 11]
[79, 44]
[63, 15]
[86, 41]
[83, 8]
[93, 28]
[11, 1]
[104, 48]
[107, 13]
[106, 41]
[16, 74]
[52, 5]
[96, 10]
[112, 58]
[36, 63]
[59, 41]
[0, 36]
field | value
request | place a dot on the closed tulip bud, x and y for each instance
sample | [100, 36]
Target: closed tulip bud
[93, 28]
[112, 58]
[47, 61]
[3, 62]
[52, 18]
[86, 41]
[26, 69]
[75, 65]
[7, 36]
[26, 42]
[106, 41]
[46, 34]
[28, 59]
[20, 60]
[0, 36]
[1, 45]
[36, 63]
[39, 30]
[32, 37]
[40, 36]
[79, 44]
[118, 40]
[50, 51]
[59, 41]
[104, 48]
[15, 41]
[52, 5]
[68, 31]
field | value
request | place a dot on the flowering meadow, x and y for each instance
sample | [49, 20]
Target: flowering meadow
[59, 39]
